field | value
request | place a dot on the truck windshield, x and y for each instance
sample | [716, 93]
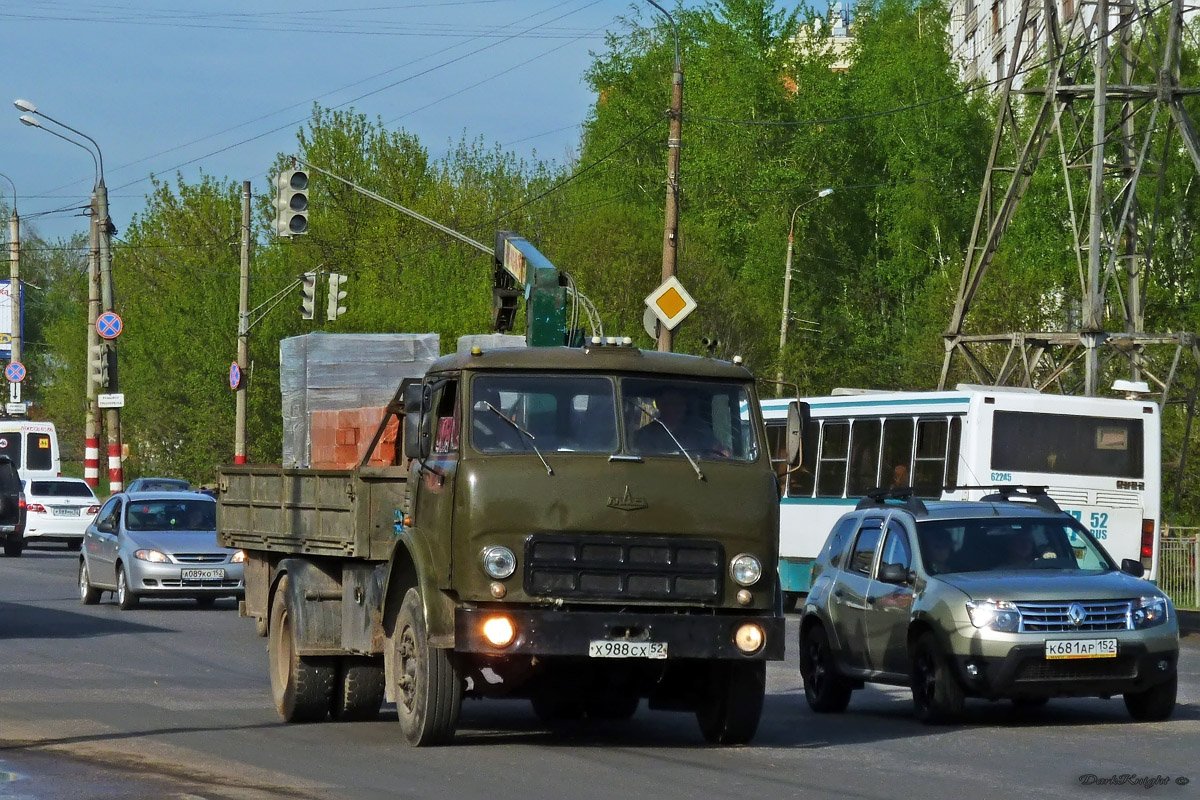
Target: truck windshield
[564, 414]
[711, 420]
[978, 545]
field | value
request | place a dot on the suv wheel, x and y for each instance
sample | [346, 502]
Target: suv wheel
[826, 690]
[1154, 704]
[937, 695]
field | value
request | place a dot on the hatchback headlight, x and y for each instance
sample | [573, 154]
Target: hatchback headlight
[999, 616]
[499, 562]
[745, 569]
[1148, 612]
[238, 557]
[151, 555]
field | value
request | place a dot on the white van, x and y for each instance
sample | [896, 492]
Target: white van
[32, 446]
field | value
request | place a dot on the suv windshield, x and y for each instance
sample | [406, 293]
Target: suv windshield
[171, 515]
[979, 545]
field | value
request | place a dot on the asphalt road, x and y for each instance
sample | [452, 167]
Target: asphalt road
[171, 701]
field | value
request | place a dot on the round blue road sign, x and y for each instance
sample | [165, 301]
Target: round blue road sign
[109, 325]
[15, 372]
[235, 376]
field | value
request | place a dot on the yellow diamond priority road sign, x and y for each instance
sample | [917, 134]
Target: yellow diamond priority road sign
[671, 303]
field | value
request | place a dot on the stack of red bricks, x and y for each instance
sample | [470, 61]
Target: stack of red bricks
[339, 438]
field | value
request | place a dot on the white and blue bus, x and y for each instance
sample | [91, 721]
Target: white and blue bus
[1099, 458]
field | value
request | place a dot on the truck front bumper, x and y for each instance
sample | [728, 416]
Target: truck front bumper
[547, 632]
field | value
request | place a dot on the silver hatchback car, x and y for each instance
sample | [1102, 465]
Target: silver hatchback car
[158, 544]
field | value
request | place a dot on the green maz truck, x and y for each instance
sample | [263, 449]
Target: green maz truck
[582, 527]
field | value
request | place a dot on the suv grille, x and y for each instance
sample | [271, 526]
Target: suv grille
[1102, 615]
[623, 567]
[1087, 669]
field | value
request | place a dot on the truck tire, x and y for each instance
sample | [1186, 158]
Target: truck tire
[429, 687]
[1154, 704]
[88, 594]
[126, 598]
[825, 688]
[937, 695]
[358, 693]
[301, 686]
[14, 547]
[732, 706]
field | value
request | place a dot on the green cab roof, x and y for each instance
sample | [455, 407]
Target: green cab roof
[592, 358]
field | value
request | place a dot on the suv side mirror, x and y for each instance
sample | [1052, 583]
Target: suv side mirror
[417, 397]
[797, 424]
[1131, 566]
[893, 573]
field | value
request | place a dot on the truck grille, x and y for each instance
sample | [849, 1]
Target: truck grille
[623, 567]
[1103, 615]
[1086, 669]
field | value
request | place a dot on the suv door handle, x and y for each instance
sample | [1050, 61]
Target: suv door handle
[870, 601]
[838, 593]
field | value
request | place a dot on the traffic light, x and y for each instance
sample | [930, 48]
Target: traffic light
[336, 296]
[308, 296]
[291, 203]
[98, 365]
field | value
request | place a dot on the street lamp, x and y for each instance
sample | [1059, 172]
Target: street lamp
[100, 289]
[787, 286]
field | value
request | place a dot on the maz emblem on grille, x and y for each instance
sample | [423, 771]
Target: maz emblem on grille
[627, 502]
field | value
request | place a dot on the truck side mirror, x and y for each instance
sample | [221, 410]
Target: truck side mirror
[417, 400]
[797, 424]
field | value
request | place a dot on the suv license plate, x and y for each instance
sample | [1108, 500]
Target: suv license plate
[1081, 648]
[203, 574]
[605, 649]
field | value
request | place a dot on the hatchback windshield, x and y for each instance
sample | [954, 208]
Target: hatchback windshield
[60, 489]
[171, 515]
[978, 545]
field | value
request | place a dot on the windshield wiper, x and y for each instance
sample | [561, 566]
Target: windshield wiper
[521, 430]
[682, 449]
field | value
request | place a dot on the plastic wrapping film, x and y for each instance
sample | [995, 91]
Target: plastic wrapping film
[489, 341]
[334, 371]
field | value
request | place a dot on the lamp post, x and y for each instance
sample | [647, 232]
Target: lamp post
[100, 292]
[787, 287]
[14, 286]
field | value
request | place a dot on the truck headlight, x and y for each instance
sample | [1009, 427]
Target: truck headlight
[151, 555]
[745, 569]
[999, 616]
[1148, 612]
[499, 562]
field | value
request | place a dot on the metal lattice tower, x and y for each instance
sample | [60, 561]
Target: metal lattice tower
[1093, 60]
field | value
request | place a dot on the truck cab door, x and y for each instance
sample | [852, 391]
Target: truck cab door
[434, 492]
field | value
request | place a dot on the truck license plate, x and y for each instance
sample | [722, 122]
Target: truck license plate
[1081, 648]
[203, 574]
[606, 649]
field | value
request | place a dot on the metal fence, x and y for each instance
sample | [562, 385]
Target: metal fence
[1179, 570]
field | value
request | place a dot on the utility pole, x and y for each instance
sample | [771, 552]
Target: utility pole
[243, 344]
[91, 442]
[14, 291]
[674, 140]
[112, 418]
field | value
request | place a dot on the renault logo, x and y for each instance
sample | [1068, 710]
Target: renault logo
[1076, 614]
[627, 502]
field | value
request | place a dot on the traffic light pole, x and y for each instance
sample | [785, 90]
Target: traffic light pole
[112, 418]
[91, 442]
[243, 343]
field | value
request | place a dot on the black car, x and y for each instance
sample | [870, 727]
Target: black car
[12, 509]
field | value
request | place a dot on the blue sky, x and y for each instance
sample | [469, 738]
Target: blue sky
[148, 79]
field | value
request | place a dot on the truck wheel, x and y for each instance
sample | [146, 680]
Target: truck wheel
[428, 685]
[301, 686]
[732, 706]
[126, 599]
[12, 549]
[1154, 704]
[358, 693]
[825, 689]
[937, 695]
[88, 595]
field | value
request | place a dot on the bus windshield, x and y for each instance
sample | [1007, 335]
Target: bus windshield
[978, 545]
[1063, 444]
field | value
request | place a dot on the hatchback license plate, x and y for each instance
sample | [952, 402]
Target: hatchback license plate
[66, 512]
[1081, 648]
[203, 574]
[606, 649]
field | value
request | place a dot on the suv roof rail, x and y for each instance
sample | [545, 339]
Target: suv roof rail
[879, 497]
[1005, 493]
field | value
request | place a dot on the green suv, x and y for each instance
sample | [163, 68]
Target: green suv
[1003, 598]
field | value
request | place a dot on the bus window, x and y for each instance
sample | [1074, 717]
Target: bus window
[952, 451]
[39, 454]
[897, 453]
[10, 445]
[864, 456]
[800, 482]
[1064, 444]
[831, 475]
[931, 458]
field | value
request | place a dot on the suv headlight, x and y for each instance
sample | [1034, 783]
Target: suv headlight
[745, 569]
[999, 616]
[1148, 612]
[499, 562]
